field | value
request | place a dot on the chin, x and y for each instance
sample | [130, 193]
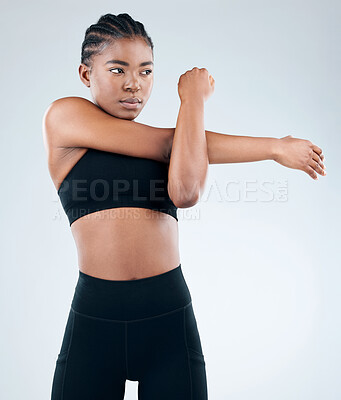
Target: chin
[125, 114]
[127, 117]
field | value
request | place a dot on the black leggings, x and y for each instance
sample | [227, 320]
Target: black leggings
[142, 330]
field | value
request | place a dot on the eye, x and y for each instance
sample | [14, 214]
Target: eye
[116, 68]
[148, 70]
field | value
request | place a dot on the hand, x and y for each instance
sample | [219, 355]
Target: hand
[194, 84]
[300, 154]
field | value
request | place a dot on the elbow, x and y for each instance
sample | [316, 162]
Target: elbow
[183, 197]
[185, 203]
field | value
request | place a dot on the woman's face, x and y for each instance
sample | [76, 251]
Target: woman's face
[122, 70]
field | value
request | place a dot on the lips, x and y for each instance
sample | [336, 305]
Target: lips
[130, 106]
[131, 100]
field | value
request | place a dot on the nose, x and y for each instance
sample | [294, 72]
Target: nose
[132, 83]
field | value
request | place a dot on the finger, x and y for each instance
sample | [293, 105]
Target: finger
[317, 149]
[310, 171]
[319, 155]
[316, 167]
[317, 158]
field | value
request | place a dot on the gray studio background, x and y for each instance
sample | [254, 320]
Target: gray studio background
[262, 261]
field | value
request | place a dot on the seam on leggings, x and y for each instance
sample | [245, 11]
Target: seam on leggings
[188, 359]
[126, 348]
[133, 320]
[68, 351]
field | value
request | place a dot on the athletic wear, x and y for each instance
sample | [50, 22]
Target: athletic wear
[142, 330]
[102, 180]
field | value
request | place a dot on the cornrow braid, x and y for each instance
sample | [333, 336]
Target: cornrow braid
[108, 29]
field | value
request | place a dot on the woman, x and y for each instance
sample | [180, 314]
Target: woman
[120, 183]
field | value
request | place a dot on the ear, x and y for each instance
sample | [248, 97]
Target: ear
[84, 74]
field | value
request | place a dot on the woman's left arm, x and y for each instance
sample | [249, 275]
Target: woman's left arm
[288, 151]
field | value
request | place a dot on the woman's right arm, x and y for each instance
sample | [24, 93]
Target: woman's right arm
[77, 122]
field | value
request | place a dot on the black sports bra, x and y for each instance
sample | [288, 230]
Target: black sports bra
[102, 180]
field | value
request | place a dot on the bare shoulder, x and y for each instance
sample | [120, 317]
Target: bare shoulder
[60, 159]
[60, 111]
[71, 123]
[65, 103]
[69, 100]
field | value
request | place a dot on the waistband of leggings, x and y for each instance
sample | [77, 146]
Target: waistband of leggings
[127, 300]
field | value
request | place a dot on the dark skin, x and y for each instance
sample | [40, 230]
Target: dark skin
[138, 81]
[144, 242]
[121, 243]
[109, 83]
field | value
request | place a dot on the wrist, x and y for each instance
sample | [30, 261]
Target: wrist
[275, 147]
[196, 101]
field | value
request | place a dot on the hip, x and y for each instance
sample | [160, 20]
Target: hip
[127, 300]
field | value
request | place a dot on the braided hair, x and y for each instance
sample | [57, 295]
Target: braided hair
[108, 29]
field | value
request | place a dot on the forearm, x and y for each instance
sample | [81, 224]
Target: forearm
[223, 148]
[188, 163]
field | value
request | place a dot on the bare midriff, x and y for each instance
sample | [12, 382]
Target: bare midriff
[126, 243]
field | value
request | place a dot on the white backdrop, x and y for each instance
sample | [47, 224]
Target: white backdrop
[263, 270]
